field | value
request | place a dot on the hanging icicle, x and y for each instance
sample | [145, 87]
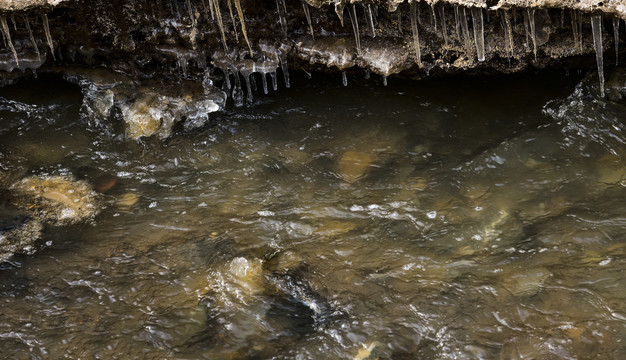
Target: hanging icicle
[232, 18]
[46, 28]
[434, 16]
[355, 27]
[508, 31]
[442, 15]
[307, 13]
[281, 17]
[457, 22]
[7, 35]
[596, 27]
[242, 19]
[344, 78]
[577, 31]
[216, 6]
[32, 38]
[466, 33]
[416, 38]
[369, 19]
[616, 39]
[339, 6]
[479, 33]
[206, 11]
[533, 32]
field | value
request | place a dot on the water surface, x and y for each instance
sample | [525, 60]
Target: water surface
[457, 218]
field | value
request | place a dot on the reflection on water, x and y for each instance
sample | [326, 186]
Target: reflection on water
[443, 219]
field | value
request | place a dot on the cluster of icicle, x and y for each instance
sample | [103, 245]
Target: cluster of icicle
[463, 32]
[25, 62]
[236, 65]
[235, 68]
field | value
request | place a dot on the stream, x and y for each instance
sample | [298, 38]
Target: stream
[455, 218]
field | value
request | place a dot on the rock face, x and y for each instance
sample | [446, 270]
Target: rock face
[242, 44]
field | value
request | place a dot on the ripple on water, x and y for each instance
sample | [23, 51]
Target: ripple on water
[439, 224]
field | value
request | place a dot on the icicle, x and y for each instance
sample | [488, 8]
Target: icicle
[7, 35]
[264, 80]
[339, 6]
[194, 26]
[533, 32]
[274, 81]
[400, 22]
[596, 27]
[508, 32]
[237, 92]
[227, 78]
[384, 80]
[246, 69]
[46, 28]
[616, 38]
[206, 11]
[243, 24]
[307, 13]
[249, 88]
[4, 39]
[416, 37]
[253, 82]
[442, 14]
[479, 34]
[526, 27]
[369, 19]
[281, 17]
[577, 29]
[14, 23]
[457, 22]
[285, 69]
[466, 33]
[232, 18]
[32, 38]
[434, 16]
[216, 5]
[344, 78]
[367, 74]
[355, 27]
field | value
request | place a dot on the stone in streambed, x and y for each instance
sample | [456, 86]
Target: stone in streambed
[58, 199]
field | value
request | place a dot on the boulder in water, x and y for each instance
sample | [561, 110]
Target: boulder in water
[57, 199]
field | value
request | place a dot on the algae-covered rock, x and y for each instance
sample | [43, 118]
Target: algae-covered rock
[57, 199]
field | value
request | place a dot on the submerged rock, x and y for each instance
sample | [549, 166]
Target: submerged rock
[354, 165]
[57, 200]
[527, 282]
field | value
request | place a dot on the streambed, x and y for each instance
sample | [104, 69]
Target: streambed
[469, 217]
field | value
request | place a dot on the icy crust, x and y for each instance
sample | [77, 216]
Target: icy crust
[27, 4]
[147, 107]
[608, 7]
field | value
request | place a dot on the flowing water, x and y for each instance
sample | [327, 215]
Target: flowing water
[462, 218]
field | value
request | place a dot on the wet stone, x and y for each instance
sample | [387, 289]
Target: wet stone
[526, 283]
[354, 165]
[58, 199]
